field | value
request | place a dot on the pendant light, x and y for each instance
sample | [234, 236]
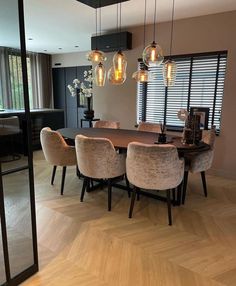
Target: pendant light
[115, 77]
[96, 56]
[153, 54]
[117, 73]
[100, 71]
[170, 68]
[100, 75]
[143, 75]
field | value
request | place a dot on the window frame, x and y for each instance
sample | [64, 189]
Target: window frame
[142, 88]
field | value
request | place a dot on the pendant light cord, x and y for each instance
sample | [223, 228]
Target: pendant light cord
[144, 24]
[154, 21]
[100, 21]
[96, 18]
[172, 27]
[117, 23]
[117, 17]
[120, 25]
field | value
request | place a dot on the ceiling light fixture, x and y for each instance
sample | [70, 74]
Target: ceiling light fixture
[170, 67]
[100, 71]
[117, 73]
[153, 54]
[96, 56]
[143, 75]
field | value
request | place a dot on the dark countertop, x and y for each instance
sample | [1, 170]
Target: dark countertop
[19, 111]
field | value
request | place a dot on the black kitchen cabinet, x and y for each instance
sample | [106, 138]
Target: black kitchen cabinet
[62, 77]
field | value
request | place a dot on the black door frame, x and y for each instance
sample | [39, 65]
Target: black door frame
[34, 267]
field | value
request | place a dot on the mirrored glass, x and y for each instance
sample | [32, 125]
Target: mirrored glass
[2, 266]
[18, 221]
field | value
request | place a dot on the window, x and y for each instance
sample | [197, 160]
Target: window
[199, 83]
[16, 81]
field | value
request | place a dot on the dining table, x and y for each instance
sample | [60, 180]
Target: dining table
[121, 138]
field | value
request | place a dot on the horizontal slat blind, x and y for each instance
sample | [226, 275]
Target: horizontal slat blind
[220, 91]
[199, 83]
[141, 98]
[177, 96]
[155, 97]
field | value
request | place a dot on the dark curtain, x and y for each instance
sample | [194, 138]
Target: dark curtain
[5, 82]
[41, 74]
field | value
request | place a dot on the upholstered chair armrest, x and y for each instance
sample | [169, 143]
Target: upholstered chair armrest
[201, 162]
[68, 156]
[117, 168]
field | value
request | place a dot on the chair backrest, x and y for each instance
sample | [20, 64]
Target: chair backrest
[155, 167]
[107, 124]
[95, 156]
[203, 161]
[53, 145]
[149, 127]
[208, 136]
[9, 125]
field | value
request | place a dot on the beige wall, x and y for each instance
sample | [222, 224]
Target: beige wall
[200, 34]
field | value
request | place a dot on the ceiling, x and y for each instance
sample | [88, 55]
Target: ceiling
[62, 26]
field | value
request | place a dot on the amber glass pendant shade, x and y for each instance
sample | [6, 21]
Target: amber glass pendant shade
[116, 77]
[169, 73]
[96, 56]
[100, 75]
[120, 62]
[153, 55]
[142, 76]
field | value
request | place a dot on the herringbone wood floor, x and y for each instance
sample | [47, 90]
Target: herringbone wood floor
[83, 244]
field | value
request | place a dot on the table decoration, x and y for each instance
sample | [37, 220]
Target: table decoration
[162, 135]
[84, 90]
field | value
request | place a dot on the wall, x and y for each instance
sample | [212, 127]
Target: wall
[193, 35]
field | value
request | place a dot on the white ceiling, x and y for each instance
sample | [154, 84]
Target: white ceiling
[64, 24]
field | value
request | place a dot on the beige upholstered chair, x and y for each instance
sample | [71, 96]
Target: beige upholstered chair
[107, 124]
[201, 162]
[57, 152]
[149, 127]
[98, 159]
[153, 167]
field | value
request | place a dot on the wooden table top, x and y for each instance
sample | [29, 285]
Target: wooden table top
[122, 137]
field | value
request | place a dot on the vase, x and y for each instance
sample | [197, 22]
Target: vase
[89, 113]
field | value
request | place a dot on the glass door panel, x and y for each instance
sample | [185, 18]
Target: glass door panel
[16, 167]
[2, 266]
[18, 221]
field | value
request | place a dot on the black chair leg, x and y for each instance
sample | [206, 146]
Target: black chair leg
[88, 187]
[173, 197]
[179, 193]
[132, 202]
[109, 194]
[92, 185]
[185, 186]
[63, 179]
[84, 188]
[78, 174]
[138, 194]
[53, 174]
[204, 183]
[127, 185]
[169, 207]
